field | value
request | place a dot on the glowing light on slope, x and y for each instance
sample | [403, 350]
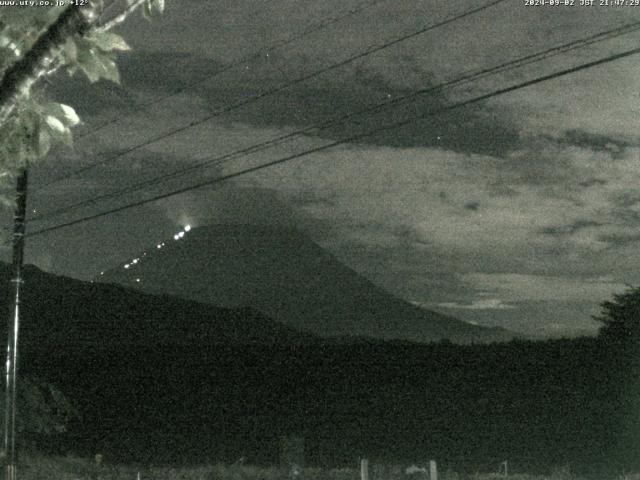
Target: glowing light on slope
[127, 265]
[187, 228]
[181, 234]
[176, 237]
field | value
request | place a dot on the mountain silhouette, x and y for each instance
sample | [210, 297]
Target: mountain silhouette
[286, 276]
[62, 311]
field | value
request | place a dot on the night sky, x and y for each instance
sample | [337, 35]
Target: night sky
[520, 212]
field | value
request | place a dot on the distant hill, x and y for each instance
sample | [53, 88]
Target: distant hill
[62, 311]
[289, 278]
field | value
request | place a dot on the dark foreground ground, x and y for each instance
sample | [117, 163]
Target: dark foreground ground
[41, 467]
[540, 405]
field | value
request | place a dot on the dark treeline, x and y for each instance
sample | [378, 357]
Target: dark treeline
[539, 405]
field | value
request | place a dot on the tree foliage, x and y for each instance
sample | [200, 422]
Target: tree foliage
[43, 410]
[620, 317]
[37, 123]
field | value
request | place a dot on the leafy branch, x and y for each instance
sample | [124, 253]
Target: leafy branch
[35, 43]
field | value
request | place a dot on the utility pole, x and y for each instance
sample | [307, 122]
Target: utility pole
[13, 323]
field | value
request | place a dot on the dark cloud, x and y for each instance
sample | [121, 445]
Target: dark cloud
[142, 73]
[90, 100]
[477, 129]
[474, 129]
[471, 130]
[570, 228]
[592, 182]
[165, 71]
[627, 199]
[625, 211]
[621, 240]
[595, 142]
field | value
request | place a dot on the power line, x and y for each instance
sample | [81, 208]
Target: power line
[275, 90]
[465, 78]
[353, 138]
[245, 59]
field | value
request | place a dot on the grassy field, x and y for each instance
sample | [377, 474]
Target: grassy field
[40, 467]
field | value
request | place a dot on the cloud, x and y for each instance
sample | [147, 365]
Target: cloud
[459, 203]
[516, 287]
[421, 214]
[482, 304]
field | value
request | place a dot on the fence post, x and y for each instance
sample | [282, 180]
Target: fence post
[364, 469]
[433, 470]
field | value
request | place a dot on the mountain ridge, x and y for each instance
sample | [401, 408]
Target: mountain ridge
[288, 277]
[58, 310]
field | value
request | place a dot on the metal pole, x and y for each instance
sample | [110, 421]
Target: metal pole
[433, 470]
[12, 328]
[364, 469]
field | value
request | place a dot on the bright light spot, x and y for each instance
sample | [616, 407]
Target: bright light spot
[101, 273]
[181, 234]
[187, 228]
[159, 245]
[176, 237]
[137, 280]
[127, 265]
[135, 260]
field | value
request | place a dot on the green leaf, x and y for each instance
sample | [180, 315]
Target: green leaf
[63, 113]
[158, 5]
[109, 42]
[147, 11]
[110, 70]
[88, 64]
[66, 137]
[97, 64]
[151, 7]
[54, 124]
[58, 131]
[70, 116]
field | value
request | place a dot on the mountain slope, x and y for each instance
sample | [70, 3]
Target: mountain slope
[288, 277]
[62, 311]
